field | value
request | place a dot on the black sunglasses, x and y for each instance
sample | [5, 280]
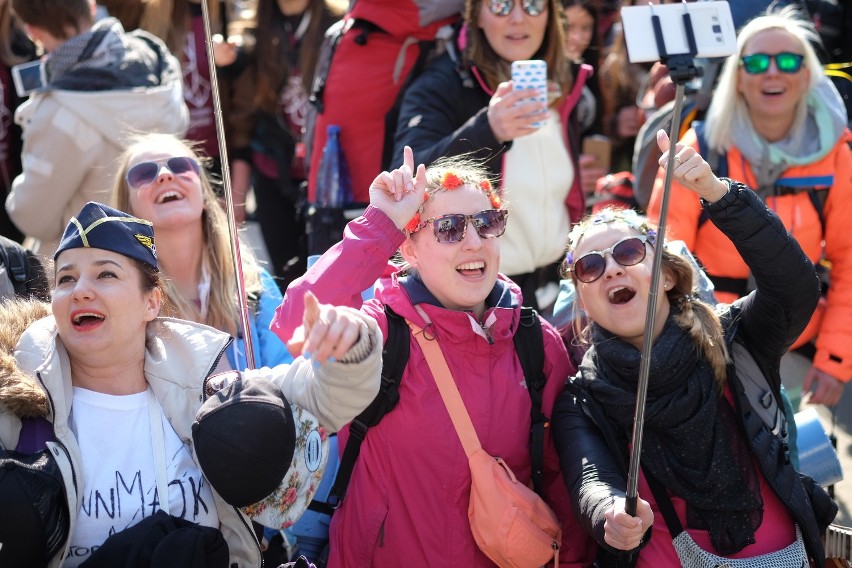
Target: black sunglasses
[626, 252]
[505, 7]
[144, 173]
[489, 224]
[758, 63]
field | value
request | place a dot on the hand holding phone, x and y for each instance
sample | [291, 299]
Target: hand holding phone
[531, 75]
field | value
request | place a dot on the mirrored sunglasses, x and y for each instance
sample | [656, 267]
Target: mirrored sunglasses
[626, 252]
[489, 224]
[505, 7]
[144, 173]
[758, 63]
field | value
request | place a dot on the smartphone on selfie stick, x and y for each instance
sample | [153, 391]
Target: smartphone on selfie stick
[704, 29]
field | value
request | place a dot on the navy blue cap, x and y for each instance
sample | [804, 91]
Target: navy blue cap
[102, 227]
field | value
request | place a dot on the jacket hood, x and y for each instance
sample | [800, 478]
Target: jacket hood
[19, 392]
[118, 115]
[122, 84]
[405, 292]
[824, 124]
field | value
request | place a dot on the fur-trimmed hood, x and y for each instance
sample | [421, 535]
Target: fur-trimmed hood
[19, 391]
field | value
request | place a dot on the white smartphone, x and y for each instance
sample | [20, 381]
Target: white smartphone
[712, 26]
[531, 74]
[27, 77]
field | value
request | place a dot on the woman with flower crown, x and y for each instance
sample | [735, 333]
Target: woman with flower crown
[710, 461]
[409, 491]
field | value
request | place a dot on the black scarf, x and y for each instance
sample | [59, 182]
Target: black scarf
[691, 441]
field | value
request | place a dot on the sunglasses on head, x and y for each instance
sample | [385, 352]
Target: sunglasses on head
[626, 252]
[489, 224]
[144, 173]
[758, 63]
[505, 7]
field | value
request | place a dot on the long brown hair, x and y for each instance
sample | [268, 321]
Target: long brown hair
[273, 50]
[223, 312]
[169, 20]
[495, 70]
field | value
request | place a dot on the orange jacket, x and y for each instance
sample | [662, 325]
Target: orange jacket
[800, 217]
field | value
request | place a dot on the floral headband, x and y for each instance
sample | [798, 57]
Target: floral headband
[448, 182]
[627, 216]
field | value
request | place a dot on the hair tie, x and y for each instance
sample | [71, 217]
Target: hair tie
[687, 298]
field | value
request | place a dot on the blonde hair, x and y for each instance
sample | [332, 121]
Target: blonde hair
[223, 307]
[698, 319]
[492, 67]
[728, 106]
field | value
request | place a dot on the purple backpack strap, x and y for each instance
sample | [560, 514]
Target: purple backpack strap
[35, 433]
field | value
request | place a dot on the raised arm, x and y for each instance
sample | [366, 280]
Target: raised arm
[355, 263]
[338, 373]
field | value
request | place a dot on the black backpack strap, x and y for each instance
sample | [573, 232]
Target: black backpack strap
[394, 359]
[14, 257]
[529, 345]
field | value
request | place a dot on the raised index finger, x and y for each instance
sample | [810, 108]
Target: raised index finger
[408, 158]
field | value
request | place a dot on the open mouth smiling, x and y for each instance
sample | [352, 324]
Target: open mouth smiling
[621, 295]
[86, 319]
[169, 196]
[471, 268]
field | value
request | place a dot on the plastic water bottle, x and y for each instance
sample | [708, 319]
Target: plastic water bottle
[333, 185]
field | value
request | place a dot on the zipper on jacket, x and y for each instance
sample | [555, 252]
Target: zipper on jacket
[55, 437]
[487, 333]
[250, 529]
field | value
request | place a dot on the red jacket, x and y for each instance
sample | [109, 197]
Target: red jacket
[800, 217]
[408, 496]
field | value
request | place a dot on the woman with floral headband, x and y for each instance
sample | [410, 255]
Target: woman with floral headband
[409, 490]
[711, 461]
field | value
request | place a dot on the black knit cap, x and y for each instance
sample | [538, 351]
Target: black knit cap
[244, 438]
[102, 227]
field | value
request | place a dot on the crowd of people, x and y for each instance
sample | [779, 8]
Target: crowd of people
[164, 395]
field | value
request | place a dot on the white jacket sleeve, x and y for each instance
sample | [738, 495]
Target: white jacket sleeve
[333, 392]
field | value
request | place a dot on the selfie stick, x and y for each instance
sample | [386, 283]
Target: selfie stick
[681, 69]
[229, 197]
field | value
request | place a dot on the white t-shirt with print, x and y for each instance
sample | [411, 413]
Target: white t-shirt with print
[119, 486]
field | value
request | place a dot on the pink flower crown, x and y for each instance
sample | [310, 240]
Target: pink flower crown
[450, 181]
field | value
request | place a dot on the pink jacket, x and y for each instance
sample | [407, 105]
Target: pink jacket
[408, 497]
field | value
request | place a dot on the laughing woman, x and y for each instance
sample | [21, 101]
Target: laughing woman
[410, 486]
[711, 461]
[114, 374]
[161, 179]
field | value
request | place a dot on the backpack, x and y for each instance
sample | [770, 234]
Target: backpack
[366, 62]
[21, 273]
[529, 345]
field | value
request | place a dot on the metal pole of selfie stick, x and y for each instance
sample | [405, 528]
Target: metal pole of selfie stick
[229, 196]
[681, 69]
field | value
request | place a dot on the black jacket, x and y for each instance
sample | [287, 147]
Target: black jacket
[594, 456]
[445, 113]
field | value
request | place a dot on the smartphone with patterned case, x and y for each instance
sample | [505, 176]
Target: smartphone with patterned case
[531, 74]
